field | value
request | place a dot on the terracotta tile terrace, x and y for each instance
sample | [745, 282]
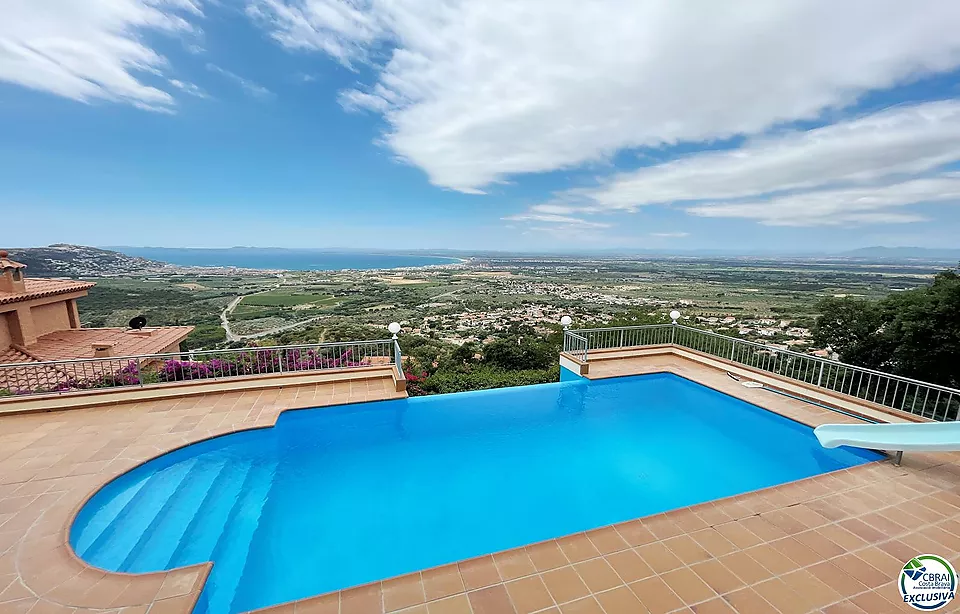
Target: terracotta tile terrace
[831, 543]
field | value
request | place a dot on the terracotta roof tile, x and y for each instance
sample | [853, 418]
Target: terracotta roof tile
[28, 377]
[39, 288]
[79, 342]
[12, 354]
[6, 263]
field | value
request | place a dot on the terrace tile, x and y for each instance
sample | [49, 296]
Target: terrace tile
[546, 556]
[479, 572]
[629, 566]
[529, 594]
[442, 582]
[598, 575]
[564, 584]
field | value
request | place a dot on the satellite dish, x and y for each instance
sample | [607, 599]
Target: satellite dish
[138, 322]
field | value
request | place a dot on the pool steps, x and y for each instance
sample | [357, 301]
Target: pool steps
[122, 535]
[155, 549]
[106, 515]
[205, 530]
[155, 524]
[231, 554]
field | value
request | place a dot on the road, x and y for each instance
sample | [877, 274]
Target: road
[232, 336]
[452, 292]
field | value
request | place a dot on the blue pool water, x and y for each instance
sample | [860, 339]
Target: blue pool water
[335, 497]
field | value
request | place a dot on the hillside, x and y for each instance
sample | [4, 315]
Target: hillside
[61, 260]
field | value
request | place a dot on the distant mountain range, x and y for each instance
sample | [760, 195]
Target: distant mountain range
[62, 260]
[878, 252]
[904, 253]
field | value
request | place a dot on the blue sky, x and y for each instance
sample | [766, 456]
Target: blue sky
[532, 124]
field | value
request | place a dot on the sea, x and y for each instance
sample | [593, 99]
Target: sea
[284, 259]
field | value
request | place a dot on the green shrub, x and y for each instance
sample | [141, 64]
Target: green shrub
[484, 378]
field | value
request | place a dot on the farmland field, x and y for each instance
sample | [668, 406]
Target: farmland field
[287, 299]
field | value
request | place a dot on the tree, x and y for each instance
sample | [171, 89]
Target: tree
[464, 353]
[914, 333]
[204, 336]
[852, 328]
[520, 353]
[922, 331]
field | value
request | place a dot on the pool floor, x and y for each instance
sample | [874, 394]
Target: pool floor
[335, 497]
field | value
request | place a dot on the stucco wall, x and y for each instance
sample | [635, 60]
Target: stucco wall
[50, 317]
[4, 332]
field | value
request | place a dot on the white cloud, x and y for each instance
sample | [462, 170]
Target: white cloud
[670, 235]
[338, 27]
[90, 49]
[188, 88]
[475, 92]
[853, 205]
[901, 140]
[561, 220]
[254, 89]
[852, 172]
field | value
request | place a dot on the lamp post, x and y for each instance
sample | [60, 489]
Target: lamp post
[394, 328]
[674, 316]
[565, 322]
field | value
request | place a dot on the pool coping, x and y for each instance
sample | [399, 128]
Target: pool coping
[177, 590]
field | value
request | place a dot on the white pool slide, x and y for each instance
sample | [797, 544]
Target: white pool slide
[900, 438]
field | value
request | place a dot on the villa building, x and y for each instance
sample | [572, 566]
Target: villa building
[39, 321]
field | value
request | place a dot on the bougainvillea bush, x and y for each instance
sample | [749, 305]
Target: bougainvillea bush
[251, 362]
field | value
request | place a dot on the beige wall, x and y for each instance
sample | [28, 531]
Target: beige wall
[170, 349]
[4, 332]
[50, 317]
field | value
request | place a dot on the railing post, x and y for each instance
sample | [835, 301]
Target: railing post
[139, 373]
[820, 377]
[733, 347]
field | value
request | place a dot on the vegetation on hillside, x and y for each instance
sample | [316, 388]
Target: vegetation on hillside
[915, 333]
[515, 357]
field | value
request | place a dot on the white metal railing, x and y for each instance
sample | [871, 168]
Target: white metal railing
[575, 345]
[397, 359]
[65, 376]
[902, 393]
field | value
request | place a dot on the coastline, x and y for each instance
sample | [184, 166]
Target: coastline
[282, 259]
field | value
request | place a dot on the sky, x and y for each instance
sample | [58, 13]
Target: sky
[562, 125]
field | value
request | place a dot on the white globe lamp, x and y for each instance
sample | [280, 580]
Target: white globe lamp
[394, 328]
[674, 315]
[565, 322]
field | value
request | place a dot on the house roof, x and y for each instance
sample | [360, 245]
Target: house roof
[79, 342]
[30, 376]
[6, 263]
[40, 288]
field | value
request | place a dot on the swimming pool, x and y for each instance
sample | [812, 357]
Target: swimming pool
[339, 496]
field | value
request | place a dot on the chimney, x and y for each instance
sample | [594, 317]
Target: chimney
[102, 350]
[11, 274]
